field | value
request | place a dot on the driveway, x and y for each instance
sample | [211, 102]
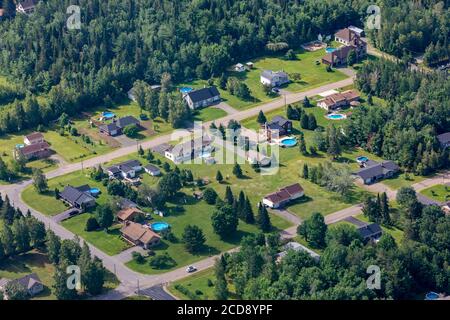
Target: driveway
[358, 223]
[127, 255]
[226, 107]
[65, 215]
[125, 141]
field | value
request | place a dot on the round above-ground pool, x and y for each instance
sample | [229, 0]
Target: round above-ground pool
[288, 142]
[336, 116]
[108, 114]
[185, 90]
[362, 159]
[159, 226]
[95, 191]
[431, 296]
[330, 50]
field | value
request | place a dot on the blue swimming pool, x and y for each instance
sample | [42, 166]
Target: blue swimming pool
[362, 159]
[185, 90]
[20, 145]
[288, 142]
[431, 296]
[336, 116]
[108, 114]
[95, 191]
[330, 50]
[159, 226]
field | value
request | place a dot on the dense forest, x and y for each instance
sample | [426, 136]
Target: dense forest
[408, 269]
[418, 109]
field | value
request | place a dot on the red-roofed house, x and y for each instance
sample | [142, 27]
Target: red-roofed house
[283, 196]
[35, 151]
[337, 100]
[351, 41]
[35, 137]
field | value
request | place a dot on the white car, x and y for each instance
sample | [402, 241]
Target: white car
[191, 269]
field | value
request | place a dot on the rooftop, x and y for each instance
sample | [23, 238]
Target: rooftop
[203, 94]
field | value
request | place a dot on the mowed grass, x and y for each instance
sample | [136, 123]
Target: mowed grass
[209, 114]
[109, 241]
[395, 232]
[197, 284]
[403, 180]
[312, 76]
[438, 192]
[48, 204]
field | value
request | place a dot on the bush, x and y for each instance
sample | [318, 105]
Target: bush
[162, 261]
[210, 196]
[91, 224]
[185, 291]
[210, 283]
[138, 257]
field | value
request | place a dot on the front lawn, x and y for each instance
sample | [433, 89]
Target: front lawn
[438, 192]
[209, 114]
[403, 180]
[395, 232]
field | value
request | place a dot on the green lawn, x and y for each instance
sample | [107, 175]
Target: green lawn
[109, 242]
[48, 204]
[197, 284]
[137, 298]
[396, 233]
[403, 180]
[209, 114]
[438, 192]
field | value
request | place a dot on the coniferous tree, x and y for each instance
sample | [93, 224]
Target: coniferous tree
[263, 219]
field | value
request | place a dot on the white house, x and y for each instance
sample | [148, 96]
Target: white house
[126, 170]
[274, 79]
[297, 247]
[152, 170]
[250, 65]
[188, 150]
[239, 67]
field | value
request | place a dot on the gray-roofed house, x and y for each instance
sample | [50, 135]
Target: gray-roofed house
[297, 247]
[376, 171]
[202, 97]
[274, 78]
[80, 197]
[152, 170]
[126, 170]
[444, 139]
[26, 6]
[116, 127]
[370, 232]
[278, 127]
[29, 283]
[189, 150]
[125, 203]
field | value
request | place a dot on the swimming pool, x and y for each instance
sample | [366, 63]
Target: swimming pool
[94, 191]
[108, 114]
[330, 50]
[336, 116]
[288, 142]
[20, 145]
[185, 90]
[159, 226]
[362, 159]
[431, 296]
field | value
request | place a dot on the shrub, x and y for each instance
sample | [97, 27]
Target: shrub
[138, 257]
[91, 224]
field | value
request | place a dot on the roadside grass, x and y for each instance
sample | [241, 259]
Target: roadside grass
[403, 180]
[196, 284]
[109, 242]
[137, 298]
[209, 114]
[438, 192]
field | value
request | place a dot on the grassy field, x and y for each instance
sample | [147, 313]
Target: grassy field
[109, 242]
[438, 192]
[312, 76]
[403, 180]
[197, 284]
[209, 114]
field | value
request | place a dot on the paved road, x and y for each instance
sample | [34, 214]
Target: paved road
[157, 293]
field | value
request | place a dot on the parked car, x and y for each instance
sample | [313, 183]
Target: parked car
[191, 269]
[276, 90]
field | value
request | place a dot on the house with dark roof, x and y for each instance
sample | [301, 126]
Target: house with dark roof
[30, 283]
[152, 170]
[124, 170]
[79, 197]
[139, 235]
[26, 6]
[37, 150]
[338, 100]
[116, 127]
[33, 138]
[444, 139]
[202, 98]
[351, 41]
[274, 78]
[125, 203]
[283, 196]
[374, 171]
[370, 232]
[278, 127]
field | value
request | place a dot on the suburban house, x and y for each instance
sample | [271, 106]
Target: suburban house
[202, 97]
[374, 171]
[125, 203]
[116, 127]
[188, 150]
[339, 100]
[283, 196]
[444, 139]
[30, 283]
[152, 170]
[124, 170]
[129, 214]
[34, 138]
[26, 6]
[33, 151]
[370, 232]
[351, 41]
[239, 67]
[250, 65]
[139, 235]
[296, 247]
[274, 79]
[358, 31]
[80, 197]
[278, 127]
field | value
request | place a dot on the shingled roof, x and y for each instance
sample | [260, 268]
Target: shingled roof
[203, 94]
